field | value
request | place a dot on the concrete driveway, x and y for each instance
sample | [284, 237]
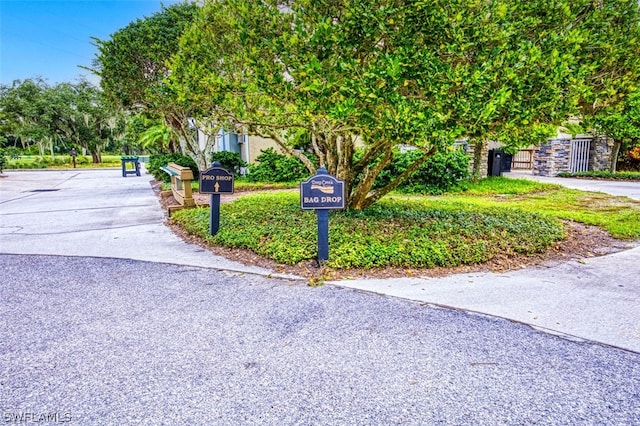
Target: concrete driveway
[619, 188]
[93, 213]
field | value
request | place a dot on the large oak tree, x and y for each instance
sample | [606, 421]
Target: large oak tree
[73, 113]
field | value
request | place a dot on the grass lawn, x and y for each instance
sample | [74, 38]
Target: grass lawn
[61, 162]
[494, 218]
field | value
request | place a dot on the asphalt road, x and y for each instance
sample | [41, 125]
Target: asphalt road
[115, 342]
[107, 318]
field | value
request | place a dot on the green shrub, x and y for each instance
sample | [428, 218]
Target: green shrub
[440, 173]
[12, 152]
[274, 167]
[633, 176]
[80, 159]
[230, 161]
[398, 233]
[62, 160]
[160, 160]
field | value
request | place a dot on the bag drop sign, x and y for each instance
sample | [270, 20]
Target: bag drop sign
[322, 192]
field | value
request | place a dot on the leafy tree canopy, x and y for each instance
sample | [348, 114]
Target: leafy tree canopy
[133, 68]
[402, 72]
[73, 113]
[132, 63]
[620, 122]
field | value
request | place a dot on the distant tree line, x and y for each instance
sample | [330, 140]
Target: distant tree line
[58, 118]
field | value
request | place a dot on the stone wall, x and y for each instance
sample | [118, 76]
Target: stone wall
[552, 158]
[555, 156]
[484, 160]
[600, 153]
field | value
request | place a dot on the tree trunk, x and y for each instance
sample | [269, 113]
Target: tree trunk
[378, 194]
[358, 199]
[344, 169]
[477, 160]
[173, 146]
[322, 161]
[332, 150]
[96, 157]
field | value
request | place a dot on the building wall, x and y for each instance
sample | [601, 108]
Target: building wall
[548, 159]
[255, 145]
[249, 147]
[230, 142]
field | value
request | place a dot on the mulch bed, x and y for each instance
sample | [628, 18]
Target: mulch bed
[582, 242]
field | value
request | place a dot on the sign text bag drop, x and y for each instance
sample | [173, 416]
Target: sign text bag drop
[322, 193]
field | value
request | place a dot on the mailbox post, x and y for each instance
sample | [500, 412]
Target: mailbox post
[322, 193]
[215, 181]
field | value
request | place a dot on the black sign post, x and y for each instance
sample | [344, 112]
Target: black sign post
[215, 181]
[73, 154]
[322, 193]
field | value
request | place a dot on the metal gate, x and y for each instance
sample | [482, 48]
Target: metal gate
[523, 160]
[579, 161]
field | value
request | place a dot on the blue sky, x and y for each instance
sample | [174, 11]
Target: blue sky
[50, 38]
